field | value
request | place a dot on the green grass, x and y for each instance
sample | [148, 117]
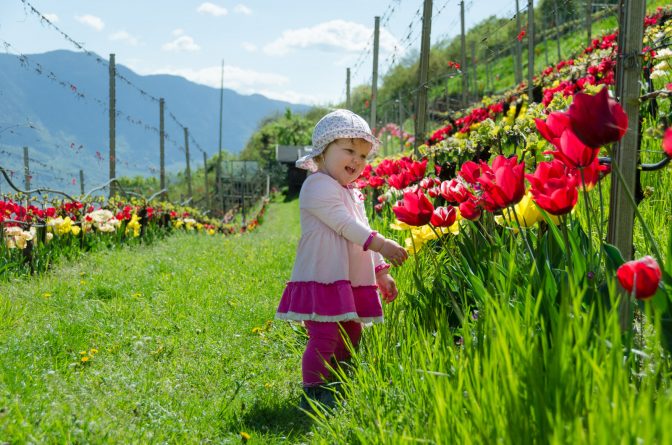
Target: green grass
[177, 358]
[544, 361]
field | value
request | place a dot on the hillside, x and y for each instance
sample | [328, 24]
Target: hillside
[56, 104]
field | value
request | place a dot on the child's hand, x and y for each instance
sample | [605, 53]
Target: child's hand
[387, 286]
[393, 252]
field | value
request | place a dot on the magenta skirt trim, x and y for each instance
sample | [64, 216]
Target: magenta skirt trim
[330, 302]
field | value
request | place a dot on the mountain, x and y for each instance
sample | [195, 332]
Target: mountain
[56, 104]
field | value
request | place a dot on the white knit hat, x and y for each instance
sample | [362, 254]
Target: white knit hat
[339, 124]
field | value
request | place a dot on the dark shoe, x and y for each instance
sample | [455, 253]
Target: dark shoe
[322, 396]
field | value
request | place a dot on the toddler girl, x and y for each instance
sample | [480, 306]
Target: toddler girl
[339, 262]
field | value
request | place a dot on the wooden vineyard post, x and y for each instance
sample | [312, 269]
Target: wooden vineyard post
[219, 185]
[625, 156]
[374, 78]
[463, 58]
[188, 171]
[557, 33]
[421, 110]
[162, 149]
[348, 103]
[205, 180]
[545, 27]
[385, 140]
[218, 169]
[243, 182]
[473, 70]
[401, 124]
[530, 50]
[26, 169]
[113, 123]
[589, 22]
[518, 72]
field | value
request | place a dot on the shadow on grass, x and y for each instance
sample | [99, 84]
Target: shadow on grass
[290, 197]
[286, 419]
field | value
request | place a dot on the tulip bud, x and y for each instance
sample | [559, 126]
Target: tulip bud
[640, 276]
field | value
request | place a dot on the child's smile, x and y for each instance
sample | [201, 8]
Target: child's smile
[345, 159]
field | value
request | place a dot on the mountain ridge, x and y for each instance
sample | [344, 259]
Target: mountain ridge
[56, 103]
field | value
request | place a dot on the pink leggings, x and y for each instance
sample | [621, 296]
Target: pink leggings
[324, 342]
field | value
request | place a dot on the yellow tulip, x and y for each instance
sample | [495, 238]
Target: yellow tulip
[525, 212]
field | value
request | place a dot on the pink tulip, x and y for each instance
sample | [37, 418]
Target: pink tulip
[443, 216]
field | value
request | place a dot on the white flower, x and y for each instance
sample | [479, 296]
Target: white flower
[102, 219]
[16, 237]
[105, 228]
[657, 74]
[664, 54]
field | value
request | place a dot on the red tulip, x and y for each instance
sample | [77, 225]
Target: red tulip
[470, 172]
[415, 209]
[642, 275]
[386, 168]
[552, 128]
[454, 191]
[503, 183]
[553, 189]
[376, 182]
[573, 152]
[400, 181]
[591, 174]
[434, 192]
[597, 120]
[470, 210]
[417, 169]
[667, 142]
[426, 183]
[443, 216]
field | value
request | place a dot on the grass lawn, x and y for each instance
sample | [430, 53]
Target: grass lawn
[164, 343]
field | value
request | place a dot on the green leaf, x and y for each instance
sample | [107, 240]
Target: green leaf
[614, 257]
[660, 301]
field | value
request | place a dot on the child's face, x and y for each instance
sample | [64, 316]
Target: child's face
[345, 159]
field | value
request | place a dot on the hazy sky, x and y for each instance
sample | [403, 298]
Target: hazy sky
[291, 50]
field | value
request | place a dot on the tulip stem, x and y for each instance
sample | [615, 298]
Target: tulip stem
[520, 230]
[568, 255]
[415, 254]
[438, 236]
[484, 231]
[647, 231]
[600, 228]
[453, 302]
[589, 208]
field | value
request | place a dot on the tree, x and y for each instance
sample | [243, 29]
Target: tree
[287, 129]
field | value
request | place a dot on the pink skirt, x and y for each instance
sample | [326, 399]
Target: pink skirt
[337, 301]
